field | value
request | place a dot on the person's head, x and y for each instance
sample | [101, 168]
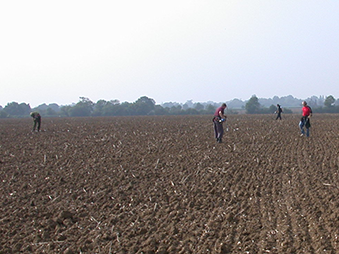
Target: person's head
[224, 105]
[304, 103]
[278, 105]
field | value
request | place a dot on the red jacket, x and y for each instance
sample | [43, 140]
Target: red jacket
[222, 109]
[307, 111]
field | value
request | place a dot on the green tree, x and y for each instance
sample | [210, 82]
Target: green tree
[47, 110]
[329, 101]
[99, 108]
[66, 110]
[185, 106]
[253, 105]
[210, 109]
[3, 114]
[287, 111]
[50, 112]
[83, 108]
[199, 107]
[272, 109]
[191, 111]
[16, 109]
[143, 106]
[112, 108]
[175, 110]
[159, 110]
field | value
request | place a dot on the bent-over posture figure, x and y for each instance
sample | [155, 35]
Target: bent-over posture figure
[36, 120]
[218, 119]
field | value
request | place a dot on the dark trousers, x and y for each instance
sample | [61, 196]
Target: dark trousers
[36, 124]
[305, 122]
[218, 130]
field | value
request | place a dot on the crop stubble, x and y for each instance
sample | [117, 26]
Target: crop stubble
[163, 185]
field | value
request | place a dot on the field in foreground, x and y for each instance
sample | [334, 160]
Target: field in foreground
[163, 185]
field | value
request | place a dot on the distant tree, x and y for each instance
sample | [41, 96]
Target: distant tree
[329, 101]
[3, 114]
[175, 110]
[185, 106]
[113, 108]
[16, 109]
[65, 110]
[272, 109]
[54, 106]
[170, 104]
[83, 108]
[287, 111]
[41, 108]
[210, 109]
[198, 106]
[143, 106]
[313, 102]
[253, 105]
[126, 109]
[158, 110]
[50, 112]
[191, 111]
[232, 112]
[189, 103]
[235, 103]
[47, 110]
[98, 108]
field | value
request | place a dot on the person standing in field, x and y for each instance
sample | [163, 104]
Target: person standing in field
[218, 119]
[305, 119]
[36, 120]
[278, 112]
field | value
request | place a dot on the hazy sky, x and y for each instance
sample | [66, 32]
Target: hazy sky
[57, 51]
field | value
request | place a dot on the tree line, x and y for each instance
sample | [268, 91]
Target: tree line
[85, 108]
[144, 106]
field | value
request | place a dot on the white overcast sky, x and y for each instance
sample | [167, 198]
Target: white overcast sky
[57, 51]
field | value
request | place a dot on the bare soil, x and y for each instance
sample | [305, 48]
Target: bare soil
[163, 185]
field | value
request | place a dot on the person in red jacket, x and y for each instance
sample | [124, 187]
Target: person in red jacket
[218, 119]
[305, 119]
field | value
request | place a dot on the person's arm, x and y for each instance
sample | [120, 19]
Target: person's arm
[222, 115]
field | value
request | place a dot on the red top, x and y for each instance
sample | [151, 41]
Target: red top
[306, 111]
[222, 109]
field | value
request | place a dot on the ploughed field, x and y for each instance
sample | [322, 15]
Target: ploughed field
[163, 185]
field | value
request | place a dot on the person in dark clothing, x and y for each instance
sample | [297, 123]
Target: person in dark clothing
[218, 119]
[36, 120]
[278, 112]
